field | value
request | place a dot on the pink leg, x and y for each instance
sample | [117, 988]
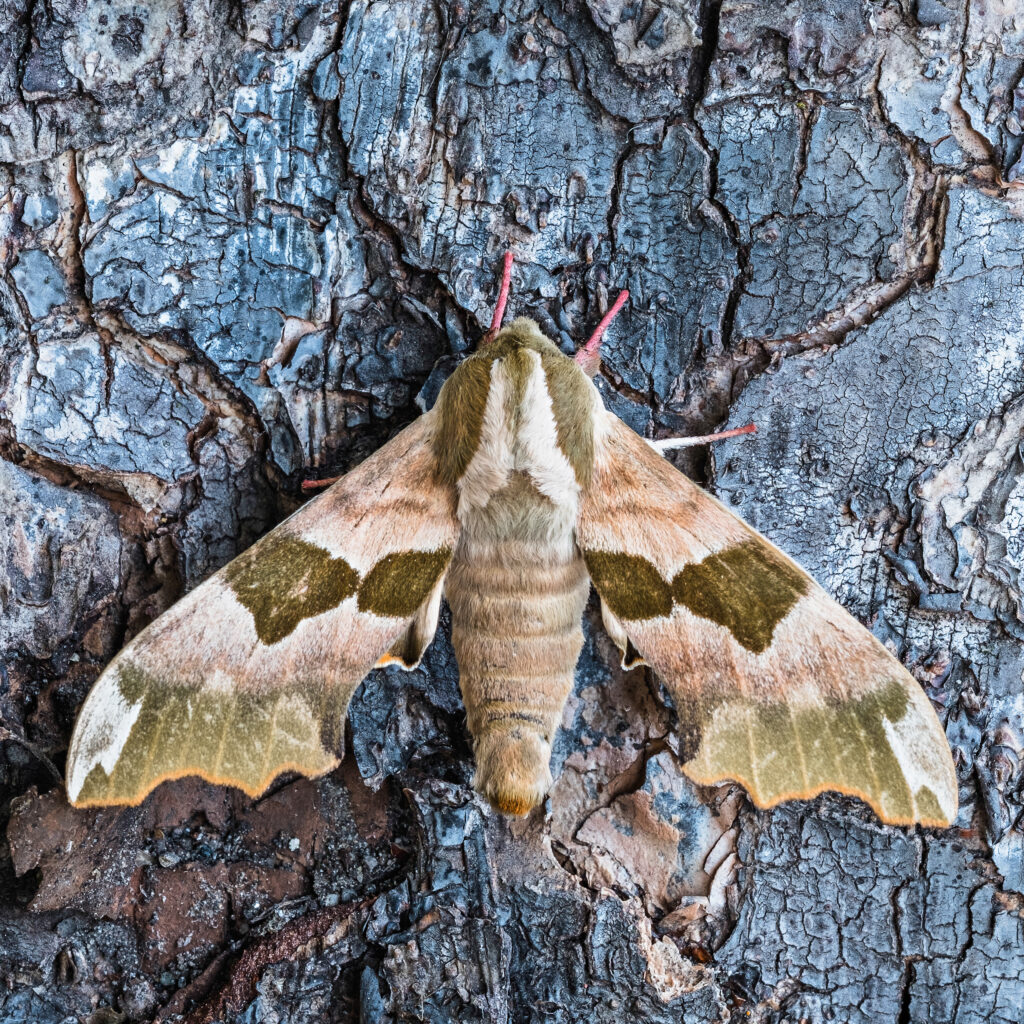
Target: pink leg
[309, 486]
[669, 444]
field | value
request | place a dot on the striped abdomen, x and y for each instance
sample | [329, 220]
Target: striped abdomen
[516, 614]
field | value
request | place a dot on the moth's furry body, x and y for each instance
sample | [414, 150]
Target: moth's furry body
[517, 584]
[512, 495]
[517, 591]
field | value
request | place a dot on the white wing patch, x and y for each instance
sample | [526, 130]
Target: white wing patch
[107, 721]
[920, 760]
[537, 450]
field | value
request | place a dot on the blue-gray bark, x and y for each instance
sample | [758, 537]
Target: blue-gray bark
[242, 242]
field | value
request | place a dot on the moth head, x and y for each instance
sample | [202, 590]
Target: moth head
[519, 395]
[512, 769]
[588, 358]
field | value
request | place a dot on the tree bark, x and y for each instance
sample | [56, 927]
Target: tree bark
[244, 242]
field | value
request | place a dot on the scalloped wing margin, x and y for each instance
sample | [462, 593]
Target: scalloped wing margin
[250, 674]
[776, 685]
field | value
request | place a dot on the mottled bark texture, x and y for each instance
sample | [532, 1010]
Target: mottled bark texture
[242, 243]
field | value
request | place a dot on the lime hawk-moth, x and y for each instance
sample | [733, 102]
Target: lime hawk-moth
[513, 494]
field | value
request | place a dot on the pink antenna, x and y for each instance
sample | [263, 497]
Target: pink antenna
[588, 354]
[506, 282]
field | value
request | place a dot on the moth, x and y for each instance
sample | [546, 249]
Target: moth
[511, 496]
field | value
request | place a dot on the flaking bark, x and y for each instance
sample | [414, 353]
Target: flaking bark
[243, 243]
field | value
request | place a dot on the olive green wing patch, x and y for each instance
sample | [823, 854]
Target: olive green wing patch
[285, 580]
[159, 730]
[629, 585]
[747, 588]
[400, 582]
[776, 686]
[250, 674]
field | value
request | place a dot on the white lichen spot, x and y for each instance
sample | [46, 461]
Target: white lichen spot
[94, 53]
[110, 425]
[180, 153]
[670, 974]
[172, 281]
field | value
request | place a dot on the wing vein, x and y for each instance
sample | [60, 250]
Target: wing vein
[150, 756]
[799, 748]
[754, 779]
[218, 761]
[868, 760]
[264, 767]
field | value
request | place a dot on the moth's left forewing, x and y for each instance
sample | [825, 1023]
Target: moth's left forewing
[250, 674]
[776, 685]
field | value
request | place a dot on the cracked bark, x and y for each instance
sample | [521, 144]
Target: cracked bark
[243, 244]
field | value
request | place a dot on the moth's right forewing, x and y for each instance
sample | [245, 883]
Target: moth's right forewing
[249, 675]
[776, 685]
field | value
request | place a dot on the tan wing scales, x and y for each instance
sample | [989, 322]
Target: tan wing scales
[776, 685]
[250, 674]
